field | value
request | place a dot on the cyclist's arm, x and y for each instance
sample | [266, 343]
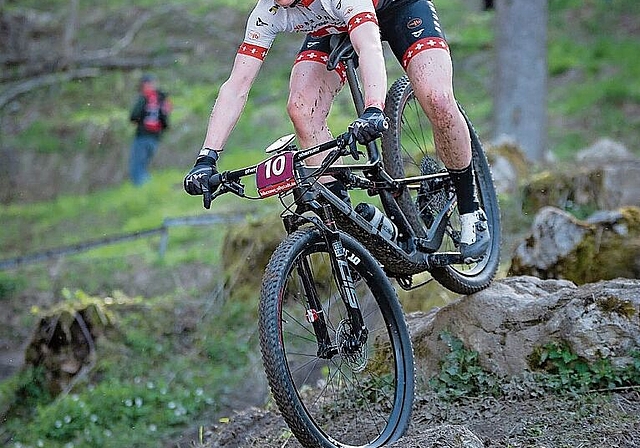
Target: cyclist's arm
[366, 41]
[231, 100]
[233, 94]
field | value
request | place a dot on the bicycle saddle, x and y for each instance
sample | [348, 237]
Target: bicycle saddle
[341, 50]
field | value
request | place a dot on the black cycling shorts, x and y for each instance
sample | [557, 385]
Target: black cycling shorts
[409, 26]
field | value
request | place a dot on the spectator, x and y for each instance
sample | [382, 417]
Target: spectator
[151, 116]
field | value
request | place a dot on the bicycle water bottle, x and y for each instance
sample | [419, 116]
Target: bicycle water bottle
[378, 220]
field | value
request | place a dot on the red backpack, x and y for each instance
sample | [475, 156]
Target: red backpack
[156, 112]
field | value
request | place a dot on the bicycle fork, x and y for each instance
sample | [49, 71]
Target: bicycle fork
[354, 334]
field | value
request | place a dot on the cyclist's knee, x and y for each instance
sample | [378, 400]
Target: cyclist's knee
[307, 113]
[440, 106]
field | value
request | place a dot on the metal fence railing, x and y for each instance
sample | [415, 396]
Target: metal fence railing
[163, 231]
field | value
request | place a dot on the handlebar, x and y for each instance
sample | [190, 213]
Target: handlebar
[229, 181]
[233, 176]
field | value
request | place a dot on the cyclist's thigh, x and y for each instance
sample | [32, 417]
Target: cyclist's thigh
[312, 89]
[416, 38]
[310, 77]
[411, 27]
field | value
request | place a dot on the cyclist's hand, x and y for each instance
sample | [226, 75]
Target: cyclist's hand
[369, 126]
[196, 182]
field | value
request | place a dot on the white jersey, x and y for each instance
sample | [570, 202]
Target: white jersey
[318, 17]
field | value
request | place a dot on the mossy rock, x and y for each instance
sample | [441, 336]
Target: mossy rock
[246, 252]
[578, 191]
[607, 251]
[608, 248]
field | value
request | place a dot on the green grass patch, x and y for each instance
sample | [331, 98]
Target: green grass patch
[160, 367]
[553, 368]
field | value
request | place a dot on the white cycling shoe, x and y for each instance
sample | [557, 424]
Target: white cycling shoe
[474, 238]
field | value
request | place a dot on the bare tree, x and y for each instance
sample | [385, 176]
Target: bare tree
[520, 106]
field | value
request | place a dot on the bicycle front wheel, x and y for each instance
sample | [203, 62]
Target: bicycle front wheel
[334, 394]
[408, 150]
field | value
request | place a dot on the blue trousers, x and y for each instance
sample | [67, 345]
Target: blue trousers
[143, 149]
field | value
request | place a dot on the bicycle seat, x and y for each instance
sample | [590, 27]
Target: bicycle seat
[341, 50]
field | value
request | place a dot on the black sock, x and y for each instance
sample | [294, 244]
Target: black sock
[463, 183]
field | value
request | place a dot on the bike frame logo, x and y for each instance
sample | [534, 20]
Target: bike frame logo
[344, 257]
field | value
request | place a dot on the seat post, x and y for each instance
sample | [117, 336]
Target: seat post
[354, 86]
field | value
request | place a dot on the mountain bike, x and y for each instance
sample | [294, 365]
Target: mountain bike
[334, 341]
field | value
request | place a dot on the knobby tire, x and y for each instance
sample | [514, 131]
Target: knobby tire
[361, 399]
[408, 150]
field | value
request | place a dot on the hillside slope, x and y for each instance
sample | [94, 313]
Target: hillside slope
[64, 97]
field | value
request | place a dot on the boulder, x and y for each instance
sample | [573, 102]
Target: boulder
[507, 322]
[604, 152]
[605, 246]
[509, 166]
[605, 176]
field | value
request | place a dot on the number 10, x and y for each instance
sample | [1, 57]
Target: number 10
[275, 166]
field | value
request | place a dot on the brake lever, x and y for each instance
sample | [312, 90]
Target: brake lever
[228, 187]
[236, 188]
[347, 140]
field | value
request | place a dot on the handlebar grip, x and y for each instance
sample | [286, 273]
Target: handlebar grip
[215, 181]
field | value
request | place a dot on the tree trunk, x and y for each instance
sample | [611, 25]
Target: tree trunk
[520, 106]
[70, 30]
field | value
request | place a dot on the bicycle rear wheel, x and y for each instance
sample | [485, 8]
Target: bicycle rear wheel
[408, 150]
[350, 398]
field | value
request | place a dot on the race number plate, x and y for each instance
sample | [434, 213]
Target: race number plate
[275, 175]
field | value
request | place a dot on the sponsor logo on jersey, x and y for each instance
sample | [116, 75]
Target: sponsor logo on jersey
[414, 23]
[261, 22]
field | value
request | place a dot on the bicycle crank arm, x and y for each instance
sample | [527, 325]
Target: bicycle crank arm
[441, 259]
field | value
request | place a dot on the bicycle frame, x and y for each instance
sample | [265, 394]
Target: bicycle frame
[411, 254]
[407, 255]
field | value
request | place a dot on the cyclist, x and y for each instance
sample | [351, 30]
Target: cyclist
[413, 31]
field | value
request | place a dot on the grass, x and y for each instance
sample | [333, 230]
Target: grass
[177, 344]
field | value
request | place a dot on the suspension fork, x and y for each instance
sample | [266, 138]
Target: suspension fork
[346, 285]
[315, 313]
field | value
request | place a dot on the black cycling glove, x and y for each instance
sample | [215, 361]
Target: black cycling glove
[369, 126]
[196, 182]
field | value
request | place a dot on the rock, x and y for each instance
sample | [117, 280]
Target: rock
[605, 246]
[509, 166]
[604, 152]
[605, 176]
[445, 436]
[508, 321]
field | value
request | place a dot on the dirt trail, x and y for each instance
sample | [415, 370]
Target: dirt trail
[595, 420]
